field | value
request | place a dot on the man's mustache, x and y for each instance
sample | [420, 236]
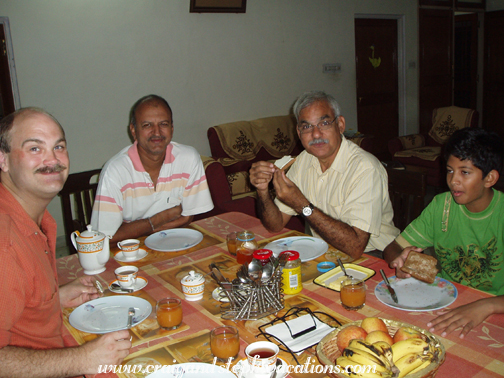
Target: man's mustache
[317, 141]
[157, 137]
[54, 169]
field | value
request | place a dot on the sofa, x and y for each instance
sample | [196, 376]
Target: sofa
[236, 146]
[425, 151]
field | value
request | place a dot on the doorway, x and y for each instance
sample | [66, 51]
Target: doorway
[376, 60]
[465, 65]
[9, 95]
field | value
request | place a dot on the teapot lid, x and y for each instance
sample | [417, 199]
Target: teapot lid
[91, 235]
[193, 278]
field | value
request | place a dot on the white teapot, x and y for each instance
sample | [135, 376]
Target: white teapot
[93, 249]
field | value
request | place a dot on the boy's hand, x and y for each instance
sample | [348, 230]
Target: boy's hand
[466, 317]
[398, 262]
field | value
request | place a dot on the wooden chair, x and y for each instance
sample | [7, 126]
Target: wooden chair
[407, 189]
[77, 198]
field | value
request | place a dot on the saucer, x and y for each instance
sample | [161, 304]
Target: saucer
[120, 257]
[282, 373]
[139, 285]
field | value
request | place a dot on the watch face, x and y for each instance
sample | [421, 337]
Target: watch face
[307, 211]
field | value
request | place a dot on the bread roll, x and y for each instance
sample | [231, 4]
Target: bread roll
[421, 266]
[285, 162]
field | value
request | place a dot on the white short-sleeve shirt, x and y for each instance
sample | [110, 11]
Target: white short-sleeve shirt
[126, 192]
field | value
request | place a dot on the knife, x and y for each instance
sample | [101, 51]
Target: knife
[392, 291]
[131, 313]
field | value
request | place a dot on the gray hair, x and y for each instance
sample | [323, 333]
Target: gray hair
[143, 100]
[7, 123]
[308, 98]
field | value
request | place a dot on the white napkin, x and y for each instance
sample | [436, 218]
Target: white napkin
[297, 325]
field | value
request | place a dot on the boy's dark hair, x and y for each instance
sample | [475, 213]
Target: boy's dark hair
[483, 148]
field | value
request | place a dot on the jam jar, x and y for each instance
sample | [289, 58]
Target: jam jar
[245, 247]
[291, 273]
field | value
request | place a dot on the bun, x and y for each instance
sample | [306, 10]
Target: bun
[285, 162]
[421, 266]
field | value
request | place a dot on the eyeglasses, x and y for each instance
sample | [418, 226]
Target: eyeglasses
[307, 128]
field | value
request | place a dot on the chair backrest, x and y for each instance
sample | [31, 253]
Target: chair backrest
[77, 198]
[407, 193]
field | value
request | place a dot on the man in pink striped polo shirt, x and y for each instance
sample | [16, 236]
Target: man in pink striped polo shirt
[153, 185]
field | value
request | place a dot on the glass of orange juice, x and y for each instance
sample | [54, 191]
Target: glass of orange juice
[231, 243]
[169, 313]
[353, 293]
[225, 343]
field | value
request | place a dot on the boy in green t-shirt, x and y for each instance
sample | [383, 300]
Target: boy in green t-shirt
[466, 228]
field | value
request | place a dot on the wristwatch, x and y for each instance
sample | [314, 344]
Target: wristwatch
[307, 210]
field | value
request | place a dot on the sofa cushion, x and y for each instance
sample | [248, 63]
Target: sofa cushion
[445, 121]
[239, 183]
[261, 139]
[425, 153]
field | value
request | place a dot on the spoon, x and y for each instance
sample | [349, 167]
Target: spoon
[277, 367]
[242, 277]
[116, 286]
[343, 268]
[255, 270]
[267, 272]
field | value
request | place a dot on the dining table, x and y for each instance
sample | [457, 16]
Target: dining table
[479, 354]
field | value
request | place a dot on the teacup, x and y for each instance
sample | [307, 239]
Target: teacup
[129, 248]
[262, 356]
[126, 276]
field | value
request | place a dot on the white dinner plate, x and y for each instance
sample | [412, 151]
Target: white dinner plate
[309, 248]
[140, 283]
[192, 370]
[109, 314]
[415, 295]
[176, 239]
[120, 257]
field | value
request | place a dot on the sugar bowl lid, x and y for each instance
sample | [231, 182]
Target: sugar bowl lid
[193, 278]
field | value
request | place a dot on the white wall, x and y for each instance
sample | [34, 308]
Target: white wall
[87, 62]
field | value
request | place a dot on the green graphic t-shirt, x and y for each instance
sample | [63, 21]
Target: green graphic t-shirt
[469, 246]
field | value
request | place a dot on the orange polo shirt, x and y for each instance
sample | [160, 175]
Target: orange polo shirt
[30, 311]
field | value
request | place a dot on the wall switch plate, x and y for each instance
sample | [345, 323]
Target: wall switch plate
[331, 67]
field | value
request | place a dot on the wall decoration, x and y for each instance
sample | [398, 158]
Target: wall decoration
[375, 62]
[218, 6]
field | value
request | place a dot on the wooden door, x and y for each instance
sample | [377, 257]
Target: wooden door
[377, 81]
[493, 86]
[465, 66]
[435, 43]
[6, 95]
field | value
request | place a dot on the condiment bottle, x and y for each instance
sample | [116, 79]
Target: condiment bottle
[245, 247]
[263, 255]
[291, 273]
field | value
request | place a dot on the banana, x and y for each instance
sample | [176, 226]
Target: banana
[408, 363]
[369, 348]
[427, 359]
[424, 364]
[386, 350]
[361, 357]
[356, 370]
[404, 347]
